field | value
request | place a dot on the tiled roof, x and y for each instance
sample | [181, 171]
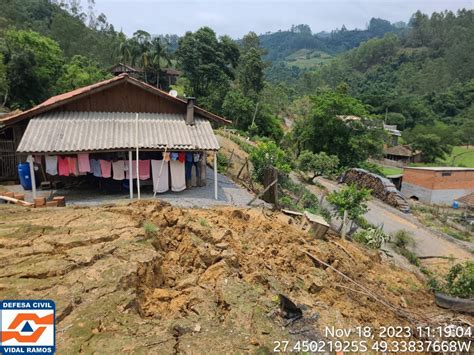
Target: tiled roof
[105, 131]
[59, 100]
[468, 199]
[399, 150]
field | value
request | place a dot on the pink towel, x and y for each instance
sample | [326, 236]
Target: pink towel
[84, 164]
[105, 168]
[72, 162]
[63, 166]
[134, 169]
[144, 169]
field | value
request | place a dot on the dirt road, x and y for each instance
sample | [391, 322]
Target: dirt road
[428, 243]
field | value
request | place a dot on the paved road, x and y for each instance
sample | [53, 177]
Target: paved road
[428, 242]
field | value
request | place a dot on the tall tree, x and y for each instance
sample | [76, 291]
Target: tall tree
[33, 66]
[206, 61]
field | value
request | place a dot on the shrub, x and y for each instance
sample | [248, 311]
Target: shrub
[403, 239]
[222, 162]
[460, 280]
[268, 154]
[371, 237]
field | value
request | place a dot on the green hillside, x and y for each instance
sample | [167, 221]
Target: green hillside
[307, 58]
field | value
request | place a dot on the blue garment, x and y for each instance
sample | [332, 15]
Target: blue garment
[189, 157]
[189, 170]
[174, 156]
[95, 167]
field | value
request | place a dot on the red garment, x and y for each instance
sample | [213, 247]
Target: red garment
[72, 162]
[181, 157]
[106, 168]
[63, 166]
[144, 169]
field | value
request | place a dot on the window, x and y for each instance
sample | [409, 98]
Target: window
[446, 173]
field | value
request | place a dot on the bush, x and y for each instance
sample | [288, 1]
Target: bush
[460, 280]
[268, 154]
[371, 167]
[403, 239]
[222, 162]
[371, 237]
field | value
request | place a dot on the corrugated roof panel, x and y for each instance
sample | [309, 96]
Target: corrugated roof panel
[100, 131]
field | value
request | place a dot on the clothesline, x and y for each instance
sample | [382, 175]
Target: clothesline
[176, 167]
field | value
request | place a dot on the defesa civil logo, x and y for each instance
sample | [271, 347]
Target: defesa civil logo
[27, 327]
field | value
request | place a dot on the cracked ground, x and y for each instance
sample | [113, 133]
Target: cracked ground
[196, 281]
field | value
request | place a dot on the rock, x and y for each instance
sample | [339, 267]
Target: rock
[222, 246]
[197, 328]
[403, 302]
[315, 284]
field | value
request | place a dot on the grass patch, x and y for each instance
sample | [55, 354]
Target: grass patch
[203, 222]
[391, 171]
[151, 230]
[460, 156]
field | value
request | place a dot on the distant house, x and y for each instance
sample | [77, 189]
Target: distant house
[393, 133]
[437, 185]
[120, 68]
[171, 75]
[402, 153]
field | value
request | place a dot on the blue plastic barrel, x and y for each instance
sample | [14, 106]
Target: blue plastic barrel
[24, 174]
[455, 204]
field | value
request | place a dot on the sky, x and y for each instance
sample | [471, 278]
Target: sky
[238, 17]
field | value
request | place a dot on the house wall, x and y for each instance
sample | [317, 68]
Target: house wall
[124, 98]
[436, 187]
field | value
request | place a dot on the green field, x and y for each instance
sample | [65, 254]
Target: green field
[391, 171]
[463, 156]
[307, 58]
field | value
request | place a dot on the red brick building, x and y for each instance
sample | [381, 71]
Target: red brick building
[437, 185]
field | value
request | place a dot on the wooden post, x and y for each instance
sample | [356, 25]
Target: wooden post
[203, 172]
[215, 175]
[344, 225]
[32, 175]
[130, 177]
[271, 195]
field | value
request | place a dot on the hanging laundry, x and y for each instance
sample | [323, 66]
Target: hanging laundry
[197, 157]
[160, 182]
[134, 169]
[181, 157]
[174, 156]
[63, 166]
[166, 156]
[118, 168]
[51, 164]
[105, 168]
[189, 165]
[95, 166]
[84, 163]
[178, 178]
[144, 169]
[73, 168]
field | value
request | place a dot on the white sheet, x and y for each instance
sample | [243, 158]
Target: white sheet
[163, 183]
[178, 176]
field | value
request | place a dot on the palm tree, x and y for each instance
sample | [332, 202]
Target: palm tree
[158, 52]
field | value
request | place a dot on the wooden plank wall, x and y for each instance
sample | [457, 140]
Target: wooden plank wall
[124, 98]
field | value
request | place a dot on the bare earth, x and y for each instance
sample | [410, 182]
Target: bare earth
[205, 282]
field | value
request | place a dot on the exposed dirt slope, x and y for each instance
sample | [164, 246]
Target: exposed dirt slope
[205, 283]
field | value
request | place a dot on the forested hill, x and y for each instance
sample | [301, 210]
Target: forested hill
[77, 31]
[281, 44]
